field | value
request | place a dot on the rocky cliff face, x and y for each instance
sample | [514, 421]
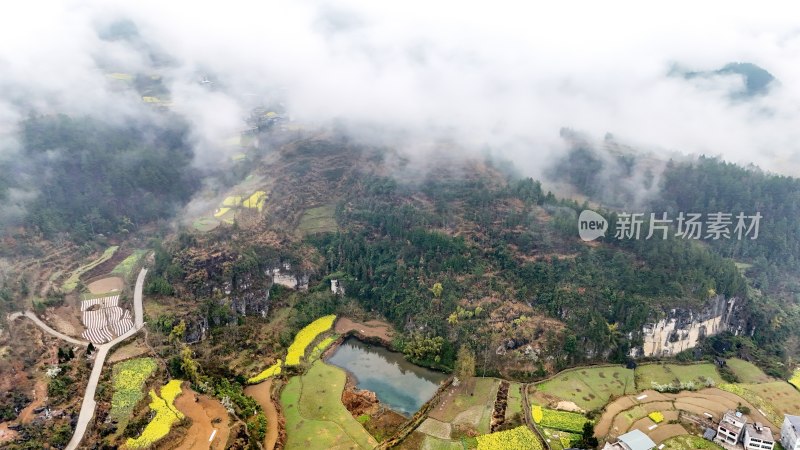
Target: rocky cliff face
[196, 330]
[682, 329]
[250, 295]
[246, 294]
[285, 276]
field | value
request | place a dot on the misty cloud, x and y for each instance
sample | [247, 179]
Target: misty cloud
[492, 75]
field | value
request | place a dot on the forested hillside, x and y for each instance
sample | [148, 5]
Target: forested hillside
[504, 254]
[482, 240]
[91, 177]
[709, 185]
[771, 261]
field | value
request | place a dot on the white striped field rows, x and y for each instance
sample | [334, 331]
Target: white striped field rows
[98, 335]
[102, 322]
[104, 302]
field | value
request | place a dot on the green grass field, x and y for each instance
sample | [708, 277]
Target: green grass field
[125, 268]
[675, 373]
[90, 296]
[590, 387]
[318, 220]
[748, 372]
[315, 416]
[688, 442]
[631, 415]
[434, 443]
[205, 224]
[472, 405]
[72, 281]
[559, 440]
[514, 400]
[781, 396]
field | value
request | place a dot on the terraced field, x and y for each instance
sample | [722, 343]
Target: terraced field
[128, 265]
[305, 337]
[766, 397]
[780, 396]
[462, 408]
[689, 442]
[631, 412]
[128, 380]
[72, 282]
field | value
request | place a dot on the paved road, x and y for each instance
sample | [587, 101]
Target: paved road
[31, 315]
[138, 310]
[89, 404]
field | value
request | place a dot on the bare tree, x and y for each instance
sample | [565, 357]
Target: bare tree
[465, 367]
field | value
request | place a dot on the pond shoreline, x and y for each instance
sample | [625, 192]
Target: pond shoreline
[350, 330]
[396, 432]
[398, 384]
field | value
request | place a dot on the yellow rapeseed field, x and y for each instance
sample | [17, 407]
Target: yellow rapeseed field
[306, 336]
[270, 371]
[166, 415]
[514, 439]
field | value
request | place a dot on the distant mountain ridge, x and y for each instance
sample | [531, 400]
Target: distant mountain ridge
[757, 80]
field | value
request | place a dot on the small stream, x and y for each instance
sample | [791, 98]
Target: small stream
[400, 385]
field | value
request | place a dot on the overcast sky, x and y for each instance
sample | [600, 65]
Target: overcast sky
[496, 74]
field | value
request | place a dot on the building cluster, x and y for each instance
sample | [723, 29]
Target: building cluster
[734, 430]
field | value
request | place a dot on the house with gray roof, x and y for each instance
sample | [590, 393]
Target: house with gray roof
[632, 440]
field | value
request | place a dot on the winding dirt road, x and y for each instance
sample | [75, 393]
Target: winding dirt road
[262, 392]
[31, 315]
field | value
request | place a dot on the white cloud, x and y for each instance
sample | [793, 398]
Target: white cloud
[506, 74]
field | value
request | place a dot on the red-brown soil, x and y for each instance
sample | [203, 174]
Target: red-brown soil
[262, 393]
[207, 414]
[369, 329]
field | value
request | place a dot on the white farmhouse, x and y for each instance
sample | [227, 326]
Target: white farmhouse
[730, 427]
[758, 437]
[790, 432]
